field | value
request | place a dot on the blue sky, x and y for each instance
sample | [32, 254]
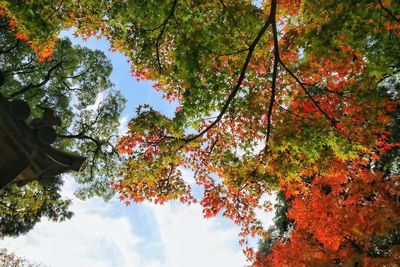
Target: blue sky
[112, 235]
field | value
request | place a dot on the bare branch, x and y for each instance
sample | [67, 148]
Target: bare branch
[77, 75]
[291, 112]
[341, 94]
[222, 3]
[228, 53]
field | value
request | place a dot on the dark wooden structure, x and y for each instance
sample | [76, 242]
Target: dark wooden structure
[26, 153]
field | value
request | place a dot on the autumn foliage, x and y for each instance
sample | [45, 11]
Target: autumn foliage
[340, 218]
[43, 49]
[299, 96]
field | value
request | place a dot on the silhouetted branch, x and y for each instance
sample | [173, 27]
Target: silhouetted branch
[55, 10]
[163, 26]
[388, 11]
[331, 120]
[240, 79]
[274, 75]
[32, 86]
[8, 50]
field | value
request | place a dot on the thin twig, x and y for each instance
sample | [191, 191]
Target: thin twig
[331, 120]
[291, 112]
[388, 11]
[222, 3]
[55, 11]
[10, 48]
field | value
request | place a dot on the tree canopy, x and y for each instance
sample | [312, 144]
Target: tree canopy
[75, 84]
[292, 95]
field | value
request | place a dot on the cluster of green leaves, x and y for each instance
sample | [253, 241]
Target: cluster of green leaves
[74, 83]
[22, 207]
[369, 27]
[282, 225]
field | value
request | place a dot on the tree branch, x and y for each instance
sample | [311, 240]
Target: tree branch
[31, 86]
[333, 121]
[10, 48]
[164, 24]
[8, 207]
[77, 75]
[81, 137]
[55, 10]
[222, 3]
[291, 112]
[16, 210]
[388, 11]
[228, 53]
[274, 75]
[341, 94]
[240, 79]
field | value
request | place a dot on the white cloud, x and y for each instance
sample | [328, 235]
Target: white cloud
[266, 218]
[191, 240]
[123, 125]
[108, 235]
[90, 238]
[100, 98]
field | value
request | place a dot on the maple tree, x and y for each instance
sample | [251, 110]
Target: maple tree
[349, 216]
[284, 95]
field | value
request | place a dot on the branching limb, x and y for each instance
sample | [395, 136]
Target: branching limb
[24, 68]
[388, 11]
[8, 50]
[274, 75]
[163, 26]
[32, 86]
[81, 137]
[240, 79]
[97, 150]
[333, 121]
[55, 10]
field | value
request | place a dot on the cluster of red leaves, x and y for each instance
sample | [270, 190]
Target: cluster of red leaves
[337, 214]
[44, 51]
